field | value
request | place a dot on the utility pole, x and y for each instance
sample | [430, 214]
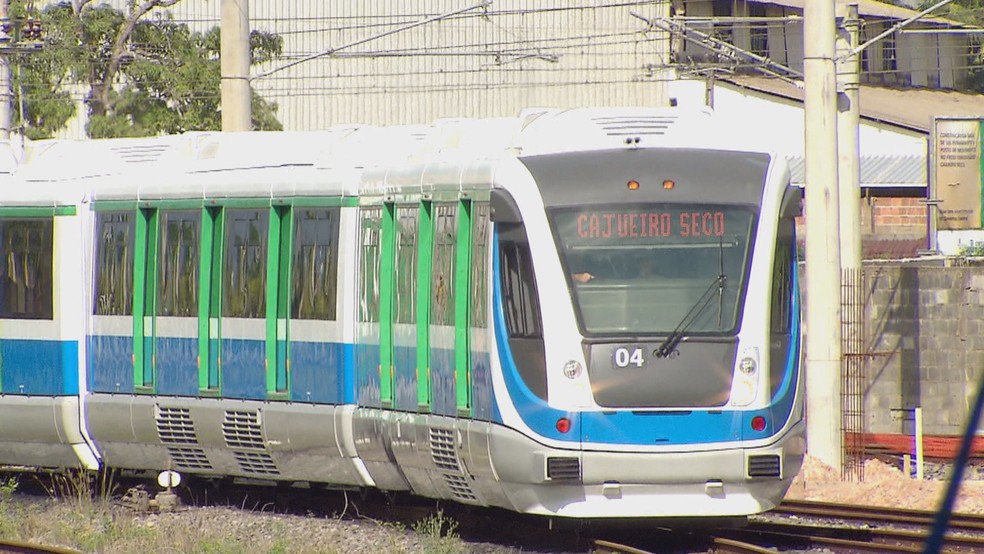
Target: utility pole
[6, 119]
[849, 184]
[234, 66]
[848, 122]
[823, 274]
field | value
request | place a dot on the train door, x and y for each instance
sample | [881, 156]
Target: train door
[112, 366]
[252, 322]
[481, 406]
[170, 306]
[144, 300]
[368, 364]
[404, 345]
[441, 329]
[172, 288]
[314, 333]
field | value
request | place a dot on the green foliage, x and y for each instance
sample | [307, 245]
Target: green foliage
[973, 250]
[145, 77]
[440, 534]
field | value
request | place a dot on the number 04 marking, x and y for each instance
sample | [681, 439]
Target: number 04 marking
[624, 357]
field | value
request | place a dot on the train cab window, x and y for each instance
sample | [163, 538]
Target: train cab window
[113, 294]
[177, 280]
[315, 272]
[369, 256]
[442, 270]
[405, 300]
[655, 269]
[26, 278]
[244, 281]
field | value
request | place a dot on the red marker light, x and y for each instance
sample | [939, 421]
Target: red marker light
[633, 185]
[563, 425]
[668, 184]
[758, 423]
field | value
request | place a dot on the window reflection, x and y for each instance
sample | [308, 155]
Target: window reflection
[315, 263]
[442, 272]
[114, 264]
[244, 281]
[406, 264]
[26, 281]
[178, 274]
[369, 260]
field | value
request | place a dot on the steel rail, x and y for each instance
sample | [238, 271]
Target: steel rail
[870, 513]
[879, 538]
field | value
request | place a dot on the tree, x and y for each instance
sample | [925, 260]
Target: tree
[141, 76]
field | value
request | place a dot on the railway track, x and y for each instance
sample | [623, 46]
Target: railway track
[967, 522]
[832, 527]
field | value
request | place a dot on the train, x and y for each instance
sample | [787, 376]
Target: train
[576, 313]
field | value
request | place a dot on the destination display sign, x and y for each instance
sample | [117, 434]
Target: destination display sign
[604, 224]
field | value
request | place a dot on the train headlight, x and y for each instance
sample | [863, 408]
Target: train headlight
[573, 369]
[745, 386]
[748, 366]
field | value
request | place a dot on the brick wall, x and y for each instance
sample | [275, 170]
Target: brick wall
[891, 227]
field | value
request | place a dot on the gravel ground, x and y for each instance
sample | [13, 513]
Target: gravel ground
[359, 527]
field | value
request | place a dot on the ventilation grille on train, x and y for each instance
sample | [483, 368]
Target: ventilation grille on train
[442, 449]
[763, 466]
[563, 468]
[445, 458]
[459, 487]
[174, 426]
[256, 462]
[635, 126]
[141, 153]
[189, 459]
[242, 430]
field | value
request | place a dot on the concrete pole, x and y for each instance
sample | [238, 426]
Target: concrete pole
[234, 52]
[6, 84]
[849, 185]
[823, 275]
[848, 121]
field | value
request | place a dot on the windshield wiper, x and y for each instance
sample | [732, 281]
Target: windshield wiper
[673, 339]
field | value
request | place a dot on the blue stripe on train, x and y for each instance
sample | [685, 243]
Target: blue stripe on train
[39, 367]
[677, 427]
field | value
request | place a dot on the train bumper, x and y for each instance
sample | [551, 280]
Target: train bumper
[736, 481]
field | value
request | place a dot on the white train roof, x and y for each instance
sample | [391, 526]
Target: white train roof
[347, 160]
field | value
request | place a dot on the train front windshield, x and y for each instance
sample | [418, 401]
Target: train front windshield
[656, 268]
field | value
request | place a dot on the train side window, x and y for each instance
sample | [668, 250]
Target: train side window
[113, 294]
[442, 271]
[244, 282]
[521, 304]
[405, 300]
[370, 229]
[520, 298]
[782, 297]
[315, 272]
[782, 281]
[479, 270]
[26, 279]
[177, 280]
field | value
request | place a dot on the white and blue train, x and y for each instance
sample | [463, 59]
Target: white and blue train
[587, 313]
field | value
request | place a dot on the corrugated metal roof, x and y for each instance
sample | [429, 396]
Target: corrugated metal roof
[870, 8]
[876, 171]
[913, 108]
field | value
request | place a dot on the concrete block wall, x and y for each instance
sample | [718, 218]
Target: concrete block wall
[924, 340]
